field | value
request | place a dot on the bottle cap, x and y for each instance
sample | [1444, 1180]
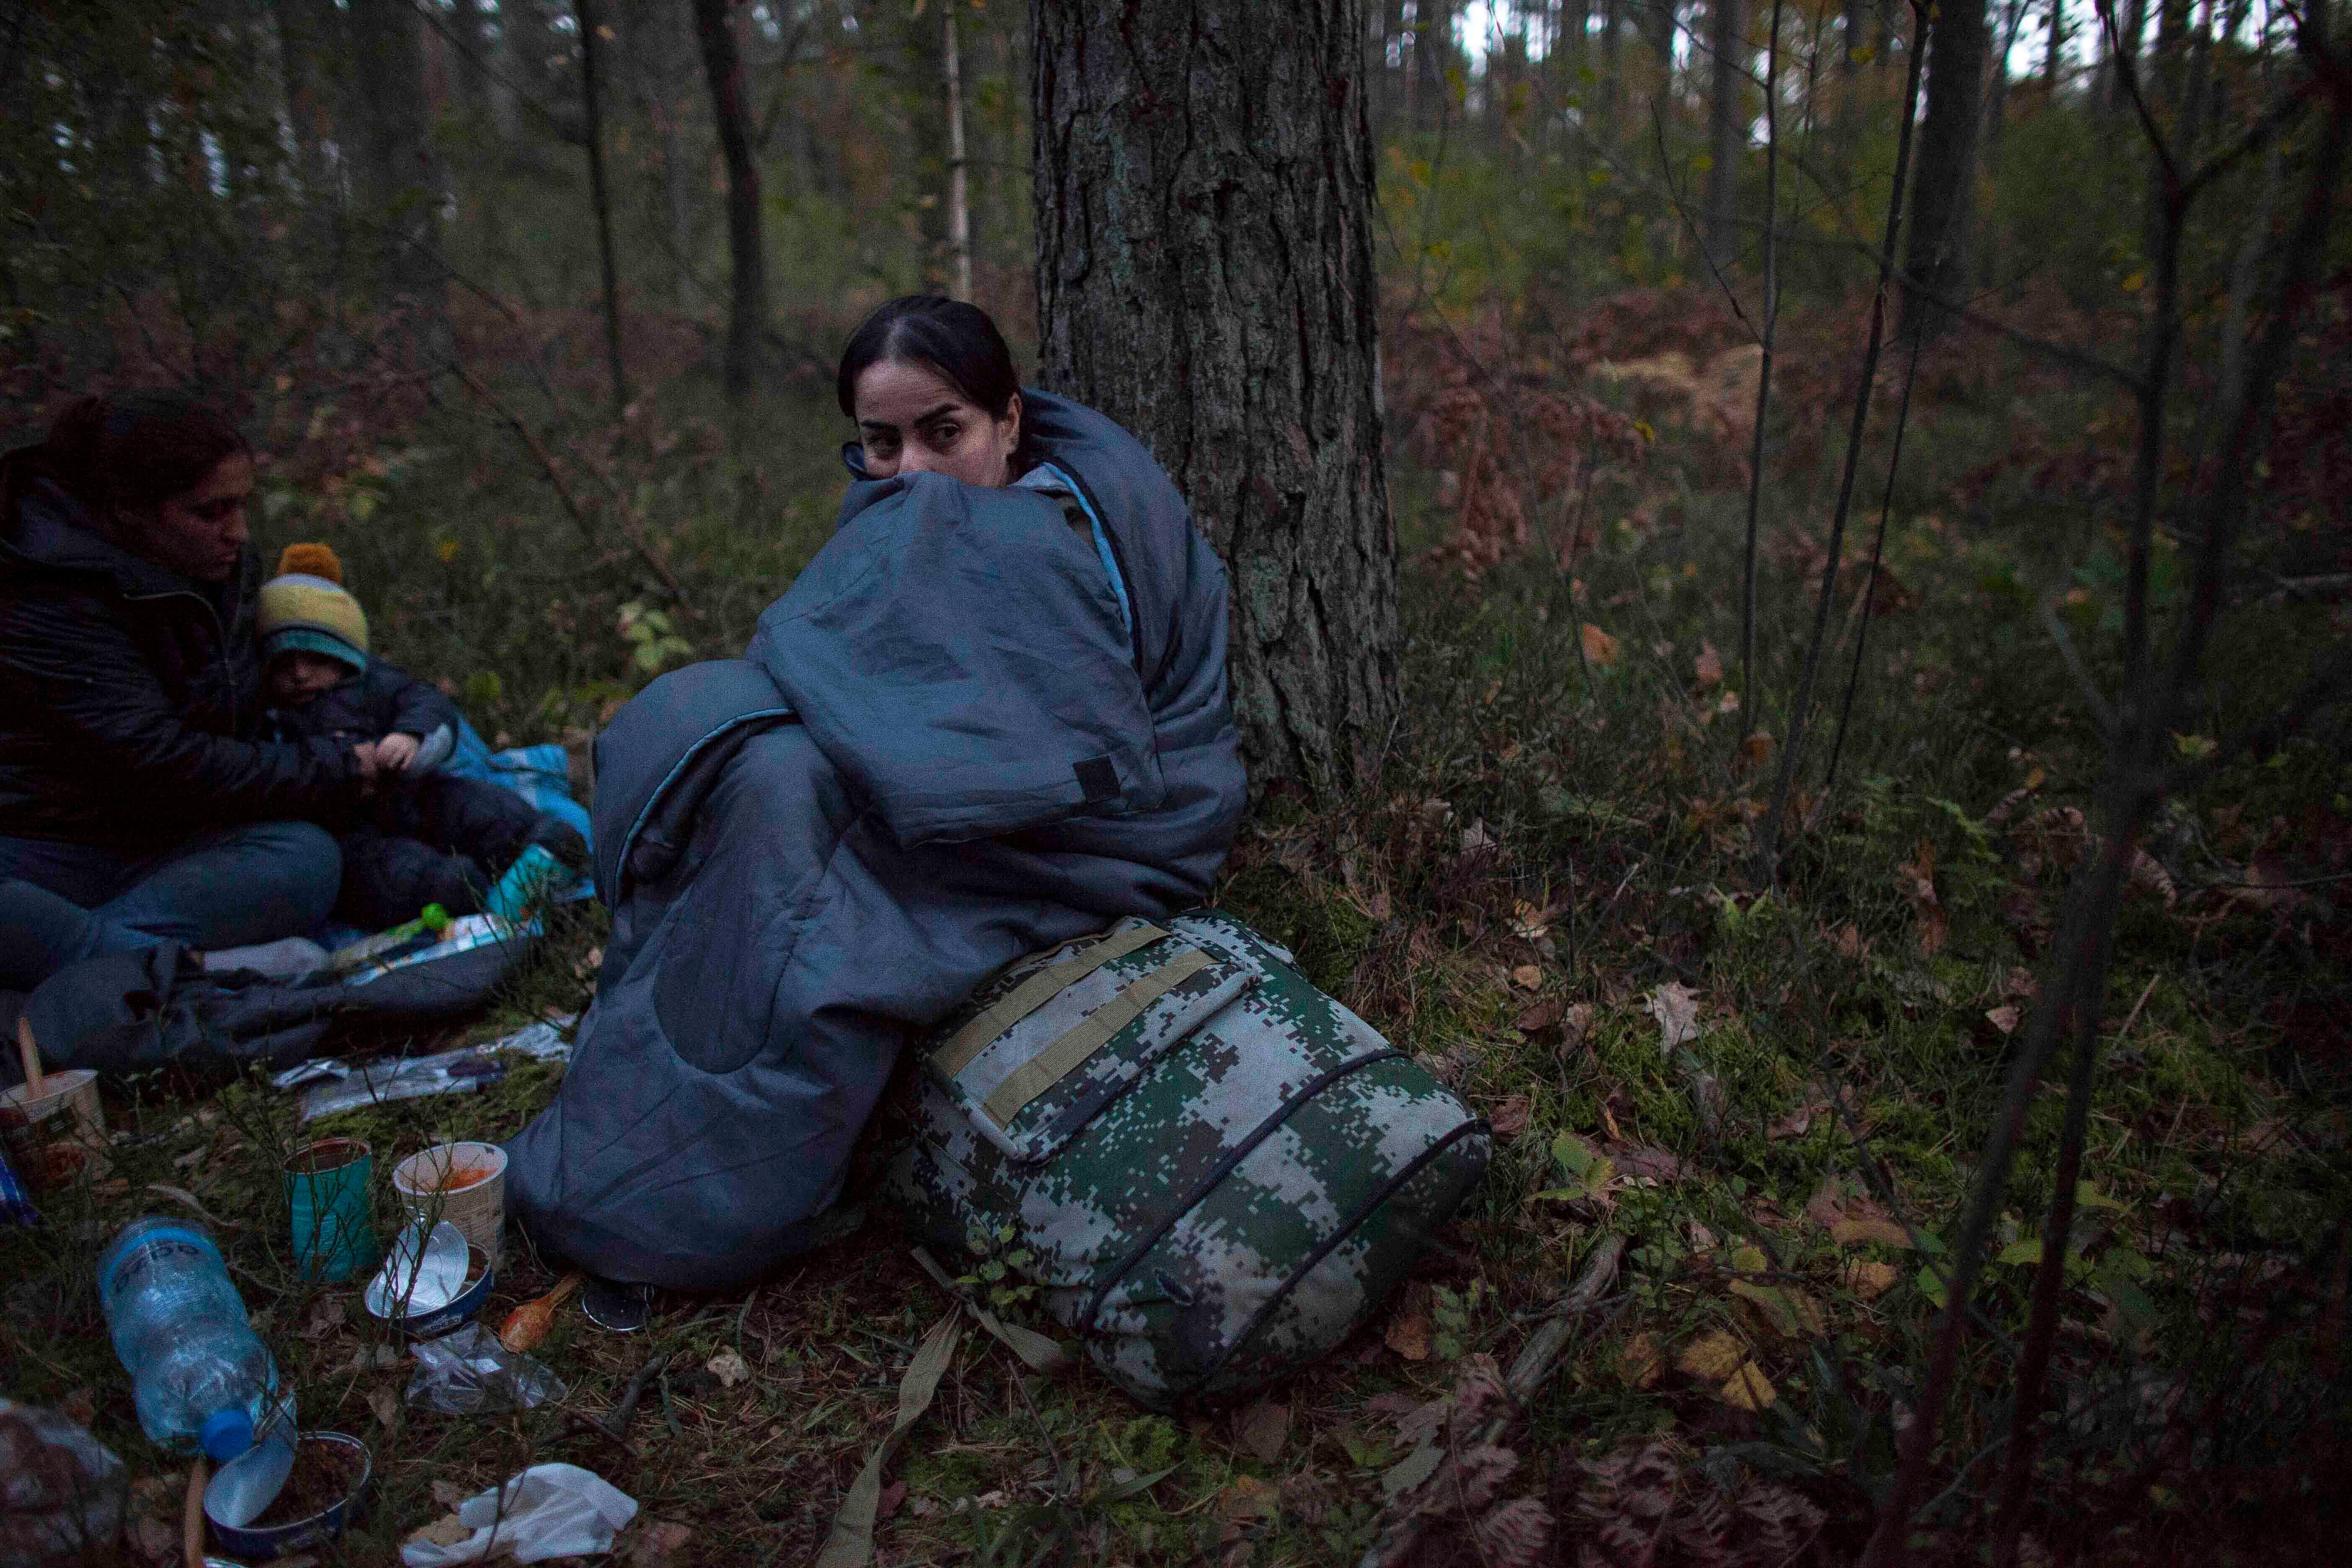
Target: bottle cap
[226, 1434]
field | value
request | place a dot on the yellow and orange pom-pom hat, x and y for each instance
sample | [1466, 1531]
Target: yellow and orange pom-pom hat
[306, 607]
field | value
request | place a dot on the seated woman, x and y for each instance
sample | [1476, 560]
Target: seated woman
[137, 804]
[990, 716]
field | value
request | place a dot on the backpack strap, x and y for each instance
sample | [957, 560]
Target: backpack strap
[653, 743]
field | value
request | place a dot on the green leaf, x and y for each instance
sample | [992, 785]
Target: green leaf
[2027, 1251]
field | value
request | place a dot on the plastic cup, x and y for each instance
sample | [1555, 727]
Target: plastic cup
[463, 1183]
[327, 1192]
[66, 1112]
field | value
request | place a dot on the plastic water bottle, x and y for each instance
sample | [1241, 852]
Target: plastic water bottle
[201, 1378]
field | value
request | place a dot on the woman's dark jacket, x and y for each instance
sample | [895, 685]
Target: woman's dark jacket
[130, 696]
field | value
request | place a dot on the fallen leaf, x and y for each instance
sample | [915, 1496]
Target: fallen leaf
[1826, 1207]
[654, 1542]
[386, 1406]
[1915, 879]
[368, 1358]
[1577, 1021]
[1509, 1118]
[449, 1494]
[1249, 1498]
[1854, 1232]
[1528, 976]
[1409, 1336]
[1708, 665]
[79, 1406]
[1757, 750]
[1264, 1427]
[443, 1531]
[1869, 1281]
[1538, 1018]
[1714, 1357]
[2005, 1018]
[326, 1316]
[728, 1367]
[892, 1496]
[1647, 1160]
[1529, 923]
[1791, 1312]
[1796, 1124]
[1849, 941]
[1747, 1389]
[1676, 1007]
[157, 1542]
[2148, 876]
[1600, 647]
[1638, 1362]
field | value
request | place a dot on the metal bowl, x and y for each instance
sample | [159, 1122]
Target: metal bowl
[454, 1313]
[264, 1543]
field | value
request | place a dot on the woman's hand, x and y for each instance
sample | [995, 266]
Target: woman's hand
[394, 752]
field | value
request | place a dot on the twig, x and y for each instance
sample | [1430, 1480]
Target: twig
[546, 460]
[1535, 1362]
[1771, 308]
[2087, 689]
[1877, 553]
[1765, 870]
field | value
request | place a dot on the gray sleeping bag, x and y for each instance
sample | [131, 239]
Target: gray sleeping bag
[981, 723]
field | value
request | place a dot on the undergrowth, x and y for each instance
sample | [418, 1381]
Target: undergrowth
[1772, 1094]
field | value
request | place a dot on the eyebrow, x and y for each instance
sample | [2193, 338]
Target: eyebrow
[924, 418]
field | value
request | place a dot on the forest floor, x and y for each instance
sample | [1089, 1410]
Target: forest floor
[1773, 1096]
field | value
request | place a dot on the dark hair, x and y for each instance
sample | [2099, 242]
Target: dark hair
[946, 335]
[132, 450]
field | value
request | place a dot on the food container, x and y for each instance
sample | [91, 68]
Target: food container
[314, 1526]
[463, 1183]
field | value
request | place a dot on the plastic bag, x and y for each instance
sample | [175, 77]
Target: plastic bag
[468, 1372]
[461, 1071]
[549, 1511]
[61, 1493]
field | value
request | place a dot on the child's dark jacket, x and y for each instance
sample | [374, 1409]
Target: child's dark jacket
[381, 699]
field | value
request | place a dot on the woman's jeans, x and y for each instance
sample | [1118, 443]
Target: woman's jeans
[227, 887]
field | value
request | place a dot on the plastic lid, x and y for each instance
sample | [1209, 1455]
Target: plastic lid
[226, 1434]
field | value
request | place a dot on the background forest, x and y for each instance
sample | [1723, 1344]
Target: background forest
[2023, 515]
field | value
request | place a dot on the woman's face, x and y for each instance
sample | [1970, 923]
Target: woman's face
[912, 421]
[199, 531]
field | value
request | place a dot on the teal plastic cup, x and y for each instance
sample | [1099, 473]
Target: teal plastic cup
[327, 1191]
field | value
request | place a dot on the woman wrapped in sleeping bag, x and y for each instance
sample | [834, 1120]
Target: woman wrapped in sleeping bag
[990, 716]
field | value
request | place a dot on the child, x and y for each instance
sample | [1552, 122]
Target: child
[427, 837]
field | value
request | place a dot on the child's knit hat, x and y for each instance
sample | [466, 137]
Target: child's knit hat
[306, 607]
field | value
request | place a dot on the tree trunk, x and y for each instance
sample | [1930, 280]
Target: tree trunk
[1657, 25]
[2132, 27]
[722, 62]
[959, 206]
[310, 42]
[1943, 193]
[397, 186]
[1205, 276]
[1726, 127]
[1612, 59]
[2054, 63]
[1432, 61]
[592, 95]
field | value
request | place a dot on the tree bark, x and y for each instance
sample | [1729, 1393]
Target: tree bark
[1943, 193]
[722, 62]
[958, 204]
[1726, 132]
[592, 94]
[1205, 276]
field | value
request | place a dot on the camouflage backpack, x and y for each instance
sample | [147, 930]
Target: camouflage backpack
[1214, 1170]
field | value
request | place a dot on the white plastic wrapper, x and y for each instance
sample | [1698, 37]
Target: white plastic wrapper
[549, 1511]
